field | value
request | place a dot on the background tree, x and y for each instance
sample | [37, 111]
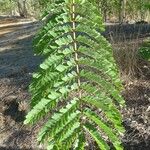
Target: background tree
[115, 10]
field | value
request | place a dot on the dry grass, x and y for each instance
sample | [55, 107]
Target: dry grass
[127, 57]
[135, 73]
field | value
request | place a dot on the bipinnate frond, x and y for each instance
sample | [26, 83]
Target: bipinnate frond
[77, 85]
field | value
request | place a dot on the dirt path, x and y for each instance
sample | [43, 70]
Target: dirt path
[17, 62]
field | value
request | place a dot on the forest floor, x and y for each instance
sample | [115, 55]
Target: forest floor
[17, 63]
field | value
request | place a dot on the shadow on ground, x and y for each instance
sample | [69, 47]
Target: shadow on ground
[17, 63]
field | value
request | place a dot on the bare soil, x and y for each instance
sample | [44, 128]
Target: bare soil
[17, 63]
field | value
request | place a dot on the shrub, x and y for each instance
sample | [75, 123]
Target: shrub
[144, 50]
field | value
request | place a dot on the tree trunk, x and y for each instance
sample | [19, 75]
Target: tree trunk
[103, 8]
[22, 8]
[105, 11]
[122, 11]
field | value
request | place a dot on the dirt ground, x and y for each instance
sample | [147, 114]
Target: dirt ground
[17, 63]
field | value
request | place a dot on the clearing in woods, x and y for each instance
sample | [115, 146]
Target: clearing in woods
[17, 62]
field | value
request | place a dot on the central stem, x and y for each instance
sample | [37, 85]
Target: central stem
[75, 45]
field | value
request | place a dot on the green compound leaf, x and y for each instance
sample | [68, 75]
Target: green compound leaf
[77, 82]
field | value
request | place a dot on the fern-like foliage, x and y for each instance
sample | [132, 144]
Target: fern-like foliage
[77, 85]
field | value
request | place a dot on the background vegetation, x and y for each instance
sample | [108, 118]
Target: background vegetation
[112, 10]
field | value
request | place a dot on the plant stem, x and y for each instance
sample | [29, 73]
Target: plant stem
[75, 46]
